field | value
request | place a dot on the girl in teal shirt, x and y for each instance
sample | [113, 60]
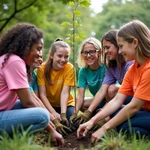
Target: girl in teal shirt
[91, 74]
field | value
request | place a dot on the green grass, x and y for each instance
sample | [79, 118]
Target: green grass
[111, 141]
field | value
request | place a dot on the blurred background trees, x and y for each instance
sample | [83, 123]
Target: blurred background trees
[49, 14]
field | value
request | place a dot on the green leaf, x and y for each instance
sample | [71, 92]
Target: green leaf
[65, 24]
[71, 4]
[85, 3]
[77, 12]
[69, 16]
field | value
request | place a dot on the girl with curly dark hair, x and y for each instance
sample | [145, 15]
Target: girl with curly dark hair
[20, 47]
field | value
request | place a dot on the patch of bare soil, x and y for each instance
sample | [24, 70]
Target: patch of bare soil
[71, 141]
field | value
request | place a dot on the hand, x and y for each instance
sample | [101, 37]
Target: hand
[73, 116]
[56, 115]
[84, 128]
[57, 138]
[64, 120]
[82, 118]
[71, 120]
[61, 128]
[96, 136]
[98, 125]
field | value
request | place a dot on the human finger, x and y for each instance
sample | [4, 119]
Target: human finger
[80, 131]
[93, 139]
[61, 141]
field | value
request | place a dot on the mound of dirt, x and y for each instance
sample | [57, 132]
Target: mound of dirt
[72, 143]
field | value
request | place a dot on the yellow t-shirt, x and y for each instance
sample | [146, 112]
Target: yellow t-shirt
[63, 77]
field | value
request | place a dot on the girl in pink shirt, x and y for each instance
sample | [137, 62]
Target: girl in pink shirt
[19, 49]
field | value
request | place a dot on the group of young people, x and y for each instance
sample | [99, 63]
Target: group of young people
[116, 76]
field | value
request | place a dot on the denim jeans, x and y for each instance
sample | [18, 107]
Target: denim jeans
[137, 124]
[70, 110]
[36, 118]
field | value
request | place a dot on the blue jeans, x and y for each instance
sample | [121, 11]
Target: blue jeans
[128, 100]
[137, 124]
[36, 118]
[70, 110]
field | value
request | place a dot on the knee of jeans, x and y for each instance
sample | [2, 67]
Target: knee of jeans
[44, 114]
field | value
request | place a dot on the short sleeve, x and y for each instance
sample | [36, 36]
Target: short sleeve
[82, 83]
[16, 75]
[126, 86]
[40, 76]
[109, 78]
[143, 89]
[70, 79]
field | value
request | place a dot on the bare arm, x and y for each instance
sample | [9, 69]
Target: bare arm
[25, 97]
[100, 95]
[79, 99]
[110, 108]
[127, 112]
[64, 98]
[42, 93]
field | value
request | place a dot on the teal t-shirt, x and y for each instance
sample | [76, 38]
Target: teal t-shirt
[91, 78]
[33, 85]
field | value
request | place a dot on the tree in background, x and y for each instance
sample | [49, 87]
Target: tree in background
[118, 12]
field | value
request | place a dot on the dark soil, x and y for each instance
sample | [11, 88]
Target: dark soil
[71, 141]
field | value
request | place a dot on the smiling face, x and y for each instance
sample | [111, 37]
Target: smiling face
[92, 57]
[34, 53]
[126, 49]
[60, 58]
[110, 50]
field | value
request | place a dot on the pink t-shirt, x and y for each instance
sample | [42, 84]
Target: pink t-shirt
[12, 76]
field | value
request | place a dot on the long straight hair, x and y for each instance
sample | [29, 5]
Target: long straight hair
[111, 37]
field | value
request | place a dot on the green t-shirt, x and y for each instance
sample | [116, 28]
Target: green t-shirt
[91, 78]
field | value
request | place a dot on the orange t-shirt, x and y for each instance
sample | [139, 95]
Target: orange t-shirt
[136, 83]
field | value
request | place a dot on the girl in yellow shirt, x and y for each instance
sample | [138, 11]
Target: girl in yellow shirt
[55, 78]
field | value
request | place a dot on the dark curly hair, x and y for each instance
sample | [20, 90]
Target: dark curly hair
[18, 40]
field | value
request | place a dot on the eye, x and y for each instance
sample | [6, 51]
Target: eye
[66, 57]
[59, 55]
[120, 46]
[39, 48]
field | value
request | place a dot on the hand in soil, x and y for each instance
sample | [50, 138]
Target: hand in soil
[57, 138]
[72, 118]
[84, 128]
[62, 129]
[98, 125]
[82, 118]
[96, 136]
[64, 120]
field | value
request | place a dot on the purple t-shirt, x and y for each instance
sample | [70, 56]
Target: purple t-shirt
[115, 74]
